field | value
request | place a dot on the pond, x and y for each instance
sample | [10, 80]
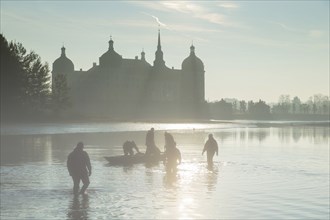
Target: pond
[279, 172]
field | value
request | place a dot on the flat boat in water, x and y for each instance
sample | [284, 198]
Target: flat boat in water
[135, 159]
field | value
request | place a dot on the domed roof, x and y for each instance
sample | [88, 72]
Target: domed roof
[63, 64]
[111, 57]
[193, 62]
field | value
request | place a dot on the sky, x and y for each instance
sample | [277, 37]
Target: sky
[251, 50]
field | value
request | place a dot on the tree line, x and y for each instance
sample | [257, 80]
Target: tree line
[317, 107]
[26, 88]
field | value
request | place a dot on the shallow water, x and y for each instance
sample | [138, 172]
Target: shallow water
[260, 173]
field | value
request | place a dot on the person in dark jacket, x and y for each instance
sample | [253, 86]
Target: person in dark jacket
[79, 167]
[169, 140]
[172, 154]
[211, 147]
[128, 147]
[152, 149]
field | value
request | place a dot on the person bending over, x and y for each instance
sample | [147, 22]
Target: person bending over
[128, 147]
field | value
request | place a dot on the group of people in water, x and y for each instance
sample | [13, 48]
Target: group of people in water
[79, 165]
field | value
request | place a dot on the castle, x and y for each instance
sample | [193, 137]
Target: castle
[122, 88]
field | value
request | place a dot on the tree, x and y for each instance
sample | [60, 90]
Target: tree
[221, 109]
[320, 103]
[38, 84]
[250, 106]
[234, 106]
[259, 110]
[25, 81]
[284, 103]
[12, 80]
[305, 108]
[242, 106]
[11, 77]
[296, 105]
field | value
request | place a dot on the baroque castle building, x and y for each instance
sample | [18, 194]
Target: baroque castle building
[122, 88]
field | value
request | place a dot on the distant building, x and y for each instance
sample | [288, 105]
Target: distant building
[132, 88]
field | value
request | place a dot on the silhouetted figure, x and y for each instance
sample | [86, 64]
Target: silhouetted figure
[172, 154]
[79, 167]
[211, 147]
[169, 140]
[128, 147]
[152, 149]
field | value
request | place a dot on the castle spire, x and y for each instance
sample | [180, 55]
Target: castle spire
[159, 53]
[192, 50]
[143, 55]
[111, 43]
[63, 51]
[159, 47]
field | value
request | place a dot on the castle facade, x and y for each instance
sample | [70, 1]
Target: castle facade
[122, 88]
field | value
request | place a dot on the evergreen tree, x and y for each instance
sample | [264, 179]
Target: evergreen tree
[12, 73]
[38, 86]
[25, 82]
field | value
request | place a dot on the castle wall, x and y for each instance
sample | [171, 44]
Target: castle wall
[133, 88]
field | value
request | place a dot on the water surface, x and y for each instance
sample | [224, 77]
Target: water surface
[260, 173]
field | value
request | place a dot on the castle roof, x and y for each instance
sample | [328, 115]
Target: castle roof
[111, 57]
[192, 61]
[63, 64]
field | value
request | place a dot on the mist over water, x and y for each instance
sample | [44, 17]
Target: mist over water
[267, 173]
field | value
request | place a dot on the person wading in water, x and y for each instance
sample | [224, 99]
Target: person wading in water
[79, 167]
[152, 149]
[211, 147]
[172, 154]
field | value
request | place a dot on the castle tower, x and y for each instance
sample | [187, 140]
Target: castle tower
[110, 58]
[159, 61]
[63, 64]
[193, 80]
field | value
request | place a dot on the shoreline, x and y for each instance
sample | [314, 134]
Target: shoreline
[38, 128]
[209, 121]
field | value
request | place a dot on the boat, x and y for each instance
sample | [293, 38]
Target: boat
[135, 159]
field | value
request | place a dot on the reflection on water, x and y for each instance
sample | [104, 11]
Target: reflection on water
[78, 207]
[47, 147]
[54, 148]
[284, 135]
[24, 149]
[265, 173]
[170, 179]
[212, 178]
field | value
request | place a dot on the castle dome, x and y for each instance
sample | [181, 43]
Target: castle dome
[111, 57]
[63, 64]
[192, 62]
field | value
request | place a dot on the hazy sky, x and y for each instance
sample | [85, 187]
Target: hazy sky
[250, 49]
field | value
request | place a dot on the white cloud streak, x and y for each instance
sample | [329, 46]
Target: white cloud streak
[286, 27]
[157, 20]
[228, 5]
[314, 33]
[197, 11]
[188, 7]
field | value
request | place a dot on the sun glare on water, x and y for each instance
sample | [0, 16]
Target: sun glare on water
[184, 126]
